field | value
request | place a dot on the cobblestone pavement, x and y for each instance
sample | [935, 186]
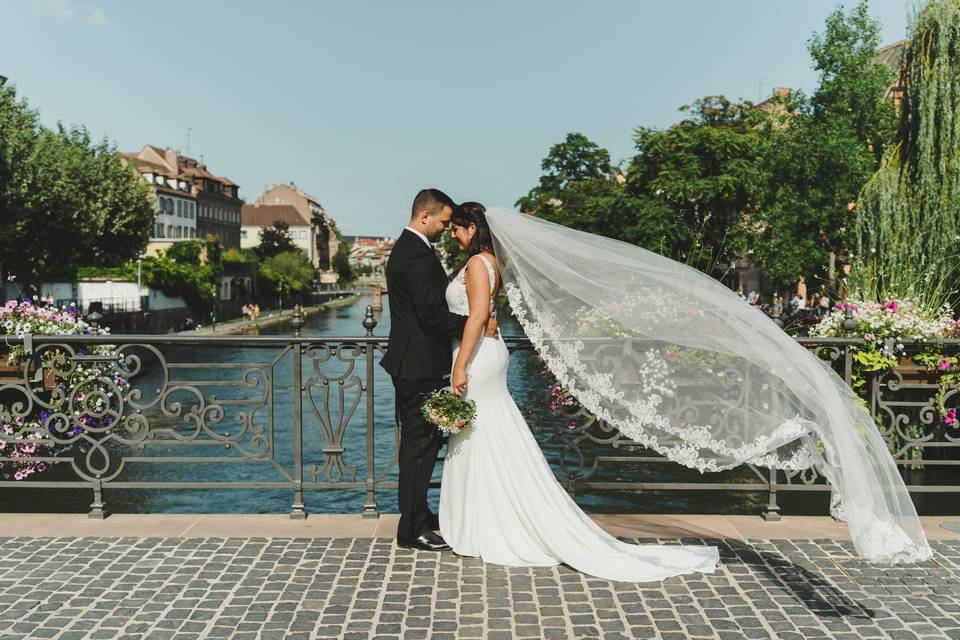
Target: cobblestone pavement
[367, 588]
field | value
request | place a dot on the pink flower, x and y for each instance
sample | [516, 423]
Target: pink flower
[869, 337]
[945, 364]
[891, 306]
[950, 417]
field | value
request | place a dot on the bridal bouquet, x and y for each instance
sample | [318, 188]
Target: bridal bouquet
[448, 411]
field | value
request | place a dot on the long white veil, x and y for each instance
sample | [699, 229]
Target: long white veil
[679, 363]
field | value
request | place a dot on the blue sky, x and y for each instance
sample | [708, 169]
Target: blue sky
[363, 103]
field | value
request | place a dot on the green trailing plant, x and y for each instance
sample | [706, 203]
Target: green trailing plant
[918, 184]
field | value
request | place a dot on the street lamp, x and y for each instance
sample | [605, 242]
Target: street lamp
[280, 297]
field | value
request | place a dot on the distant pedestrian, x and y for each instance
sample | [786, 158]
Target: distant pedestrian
[802, 288]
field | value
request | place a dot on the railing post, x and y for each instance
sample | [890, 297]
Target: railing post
[849, 327]
[98, 508]
[298, 512]
[772, 514]
[370, 509]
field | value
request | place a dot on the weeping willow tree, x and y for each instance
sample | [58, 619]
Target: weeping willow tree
[909, 211]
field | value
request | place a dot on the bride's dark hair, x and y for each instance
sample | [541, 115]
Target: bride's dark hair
[468, 213]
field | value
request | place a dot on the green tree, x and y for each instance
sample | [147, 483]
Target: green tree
[185, 252]
[573, 161]
[63, 198]
[907, 219]
[275, 240]
[292, 269]
[341, 262]
[821, 150]
[707, 170]
[583, 190]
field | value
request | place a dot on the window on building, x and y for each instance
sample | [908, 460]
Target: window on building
[243, 234]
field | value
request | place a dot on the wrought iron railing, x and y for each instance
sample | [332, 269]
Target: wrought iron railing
[299, 413]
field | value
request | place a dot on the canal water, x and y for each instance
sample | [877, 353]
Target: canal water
[242, 379]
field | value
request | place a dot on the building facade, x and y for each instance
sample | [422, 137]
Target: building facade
[191, 201]
[255, 217]
[324, 238]
[369, 251]
[175, 199]
[218, 203]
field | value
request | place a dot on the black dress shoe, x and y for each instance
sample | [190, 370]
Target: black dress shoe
[429, 541]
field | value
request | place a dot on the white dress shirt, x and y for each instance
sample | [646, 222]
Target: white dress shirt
[422, 236]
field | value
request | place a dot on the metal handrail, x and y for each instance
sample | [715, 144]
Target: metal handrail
[172, 408]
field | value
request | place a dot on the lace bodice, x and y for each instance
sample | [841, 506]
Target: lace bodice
[456, 295]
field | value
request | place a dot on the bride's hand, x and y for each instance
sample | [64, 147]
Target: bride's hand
[458, 381]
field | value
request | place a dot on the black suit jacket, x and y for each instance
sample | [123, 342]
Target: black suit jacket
[421, 325]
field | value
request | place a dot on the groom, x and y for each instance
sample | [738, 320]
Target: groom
[419, 356]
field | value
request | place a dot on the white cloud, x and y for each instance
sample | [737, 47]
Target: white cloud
[69, 10]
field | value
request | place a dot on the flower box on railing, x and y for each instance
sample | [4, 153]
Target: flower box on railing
[14, 373]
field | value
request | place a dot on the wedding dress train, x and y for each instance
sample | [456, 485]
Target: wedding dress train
[500, 500]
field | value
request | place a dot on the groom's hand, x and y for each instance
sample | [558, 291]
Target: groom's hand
[492, 327]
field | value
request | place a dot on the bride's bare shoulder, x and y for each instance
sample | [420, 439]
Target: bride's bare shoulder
[491, 259]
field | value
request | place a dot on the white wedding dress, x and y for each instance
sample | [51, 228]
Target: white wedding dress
[500, 500]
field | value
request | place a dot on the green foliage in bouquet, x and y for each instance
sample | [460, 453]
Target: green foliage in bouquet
[449, 412]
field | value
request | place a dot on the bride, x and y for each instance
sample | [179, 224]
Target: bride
[672, 359]
[499, 498]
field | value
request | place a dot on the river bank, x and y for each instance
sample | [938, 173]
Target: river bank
[241, 325]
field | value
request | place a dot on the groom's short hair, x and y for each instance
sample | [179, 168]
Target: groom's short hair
[432, 200]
